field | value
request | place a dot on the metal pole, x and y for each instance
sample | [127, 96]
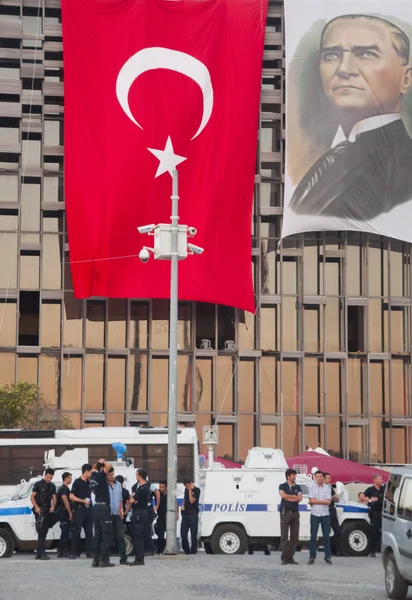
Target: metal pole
[172, 417]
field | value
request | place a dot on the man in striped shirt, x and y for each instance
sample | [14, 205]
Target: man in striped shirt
[320, 497]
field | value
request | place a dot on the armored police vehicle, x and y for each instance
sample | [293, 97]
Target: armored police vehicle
[241, 507]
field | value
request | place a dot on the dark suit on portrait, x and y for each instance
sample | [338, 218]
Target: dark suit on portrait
[359, 180]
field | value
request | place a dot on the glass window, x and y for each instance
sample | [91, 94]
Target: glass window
[399, 402]
[93, 389]
[270, 436]
[184, 384]
[246, 433]
[138, 383]
[269, 383]
[353, 268]
[313, 328]
[73, 322]
[226, 448]
[27, 369]
[313, 386]
[377, 268]
[333, 276]
[405, 500]
[379, 386]
[246, 333]
[72, 383]
[8, 323]
[30, 207]
[333, 326]
[203, 385]
[333, 442]
[378, 451]
[246, 386]
[50, 324]
[52, 261]
[160, 379]
[399, 445]
[8, 262]
[333, 387]
[50, 379]
[270, 327]
[184, 331]
[30, 272]
[205, 324]
[225, 393]
[96, 311]
[290, 323]
[138, 332]
[315, 436]
[160, 324]
[312, 284]
[7, 367]
[357, 394]
[270, 267]
[357, 437]
[289, 270]
[291, 390]
[400, 328]
[392, 494]
[9, 188]
[116, 380]
[53, 189]
[116, 327]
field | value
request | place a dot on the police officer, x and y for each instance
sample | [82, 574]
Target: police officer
[190, 516]
[43, 499]
[291, 495]
[125, 497]
[373, 496]
[64, 509]
[140, 497]
[334, 521]
[103, 526]
[80, 496]
[149, 548]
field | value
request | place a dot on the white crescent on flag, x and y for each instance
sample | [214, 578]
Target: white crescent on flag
[150, 59]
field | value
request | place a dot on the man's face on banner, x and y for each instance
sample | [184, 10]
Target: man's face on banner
[361, 70]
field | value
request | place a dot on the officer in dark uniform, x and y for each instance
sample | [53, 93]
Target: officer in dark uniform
[103, 526]
[190, 516]
[80, 496]
[43, 499]
[291, 495]
[334, 521]
[140, 497]
[64, 510]
[374, 496]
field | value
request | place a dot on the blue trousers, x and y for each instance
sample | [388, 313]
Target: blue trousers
[324, 522]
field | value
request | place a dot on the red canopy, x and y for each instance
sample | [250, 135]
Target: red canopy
[342, 470]
[228, 464]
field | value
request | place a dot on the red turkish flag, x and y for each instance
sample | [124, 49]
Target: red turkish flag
[147, 82]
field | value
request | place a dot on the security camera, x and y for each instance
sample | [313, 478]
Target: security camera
[146, 228]
[144, 255]
[194, 249]
[191, 231]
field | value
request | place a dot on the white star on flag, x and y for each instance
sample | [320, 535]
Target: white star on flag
[168, 159]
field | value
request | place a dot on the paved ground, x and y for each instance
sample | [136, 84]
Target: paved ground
[201, 577]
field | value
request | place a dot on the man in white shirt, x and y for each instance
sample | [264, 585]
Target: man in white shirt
[365, 72]
[320, 497]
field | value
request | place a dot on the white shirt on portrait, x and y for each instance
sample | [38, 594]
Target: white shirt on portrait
[368, 124]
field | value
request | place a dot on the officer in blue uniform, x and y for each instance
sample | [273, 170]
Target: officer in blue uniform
[103, 527]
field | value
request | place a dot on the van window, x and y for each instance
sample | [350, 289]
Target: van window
[391, 495]
[405, 500]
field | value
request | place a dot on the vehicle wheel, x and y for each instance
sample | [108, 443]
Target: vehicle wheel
[229, 539]
[208, 547]
[129, 544]
[6, 544]
[356, 539]
[396, 586]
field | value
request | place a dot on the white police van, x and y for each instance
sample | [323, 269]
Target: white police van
[17, 523]
[241, 507]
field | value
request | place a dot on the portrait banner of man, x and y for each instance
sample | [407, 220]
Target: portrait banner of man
[348, 117]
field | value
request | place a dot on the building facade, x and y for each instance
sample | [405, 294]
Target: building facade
[326, 359]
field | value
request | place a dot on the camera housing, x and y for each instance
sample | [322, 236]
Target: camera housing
[144, 255]
[193, 249]
[146, 228]
[191, 231]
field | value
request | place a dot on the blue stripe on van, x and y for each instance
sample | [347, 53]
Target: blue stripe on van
[18, 510]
